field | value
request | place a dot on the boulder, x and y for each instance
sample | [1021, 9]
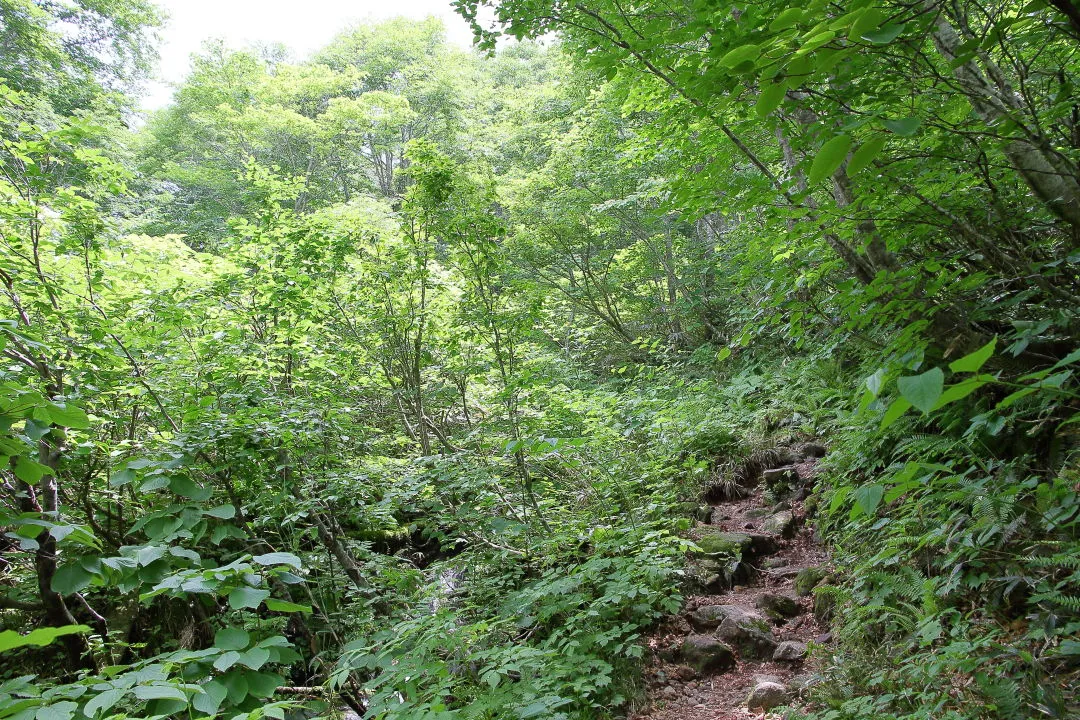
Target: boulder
[706, 654]
[782, 524]
[807, 580]
[777, 607]
[812, 450]
[767, 695]
[780, 475]
[707, 617]
[824, 605]
[790, 650]
[731, 544]
[752, 639]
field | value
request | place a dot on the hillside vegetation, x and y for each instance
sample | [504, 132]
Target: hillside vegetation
[394, 379]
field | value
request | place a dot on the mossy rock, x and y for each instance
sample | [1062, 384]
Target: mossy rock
[729, 544]
[807, 580]
[824, 604]
[777, 607]
[706, 654]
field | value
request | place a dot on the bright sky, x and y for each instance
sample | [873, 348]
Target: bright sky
[302, 25]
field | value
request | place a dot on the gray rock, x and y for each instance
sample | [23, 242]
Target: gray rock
[712, 616]
[790, 650]
[812, 450]
[782, 524]
[706, 654]
[758, 679]
[755, 513]
[779, 475]
[752, 638]
[807, 580]
[777, 606]
[766, 696]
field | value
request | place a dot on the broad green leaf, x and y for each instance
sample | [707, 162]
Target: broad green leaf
[263, 684]
[973, 362]
[30, 471]
[224, 512]
[897, 408]
[960, 390]
[905, 127]
[254, 658]
[741, 54]
[236, 684]
[103, 701]
[923, 390]
[185, 487]
[231, 638]
[57, 711]
[865, 155]
[772, 94]
[885, 34]
[283, 606]
[277, 558]
[867, 499]
[246, 597]
[226, 660]
[68, 415]
[786, 19]
[71, 579]
[159, 692]
[829, 158]
[210, 699]
[875, 381]
[10, 639]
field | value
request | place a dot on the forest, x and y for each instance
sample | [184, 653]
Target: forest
[644, 355]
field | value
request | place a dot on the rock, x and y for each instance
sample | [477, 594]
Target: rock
[824, 605]
[790, 650]
[751, 639]
[780, 506]
[785, 572]
[810, 505]
[812, 450]
[669, 692]
[758, 679]
[707, 617]
[782, 524]
[766, 696]
[777, 607]
[707, 654]
[775, 562]
[731, 544]
[779, 475]
[754, 513]
[807, 580]
[785, 456]
[719, 515]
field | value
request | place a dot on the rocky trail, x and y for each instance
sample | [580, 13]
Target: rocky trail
[739, 647]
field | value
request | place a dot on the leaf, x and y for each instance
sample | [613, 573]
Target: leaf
[185, 487]
[57, 711]
[277, 558]
[829, 158]
[905, 127]
[897, 408]
[865, 154]
[959, 391]
[254, 658]
[29, 471]
[246, 597]
[71, 579]
[770, 98]
[923, 390]
[226, 660]
[885, 35]
[284, 606]
[741, 54]
[875, 381]
[210, 699]
[973, 362]
[159, 692]
[237, 686]
[867, 499]
[224, 512]
[231, 638]
[103, 701]
[10, 639]
[263, 684]
[67, 415]
[786, 19]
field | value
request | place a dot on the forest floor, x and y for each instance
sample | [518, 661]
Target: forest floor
[735, 652]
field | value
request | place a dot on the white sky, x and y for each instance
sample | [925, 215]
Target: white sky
[302, 25]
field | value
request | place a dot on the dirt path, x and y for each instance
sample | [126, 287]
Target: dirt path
[746, 633]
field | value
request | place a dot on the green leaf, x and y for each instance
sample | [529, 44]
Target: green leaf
[277, 558]
[263, 684]
[10, 639]
[770, 98]
[741, 54]
[236, 684]
[786, 19]
[57, 711]
[923, 390]
[865, 155]
[224, 512]
[103, 701]
[897, 408]
[246, 597]
[185, 487]
[226, 660]
[973, 362]
[283, 606]
[71, 579]
[960, 390]
[159, 692]
[67, 415]
[829, 158]
[905, 127]
[30, 471]
[231, 638]
[885, 35]
[867, 499]
[254, 658]
[210, 699]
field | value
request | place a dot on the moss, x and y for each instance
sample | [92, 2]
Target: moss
[730, 544]
[807, 580]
